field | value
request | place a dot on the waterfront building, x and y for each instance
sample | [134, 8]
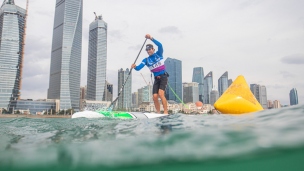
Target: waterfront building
[276, 104]
[229, 82]
[97, 60]
[65, 69]
[269, 104]
[12, 34]
[214, 95]
[125, 98]
[140, 96]
[109, 92]
[190, 92]
[47, 106]
[293, 97]
[208, 84]
[260, 93]
[198, 76]
[83, 92]
[174, 90]
[145, 94]
[223, 83]
[135, 100]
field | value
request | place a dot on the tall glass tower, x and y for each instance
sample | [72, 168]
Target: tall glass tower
[208, 85]
[65, 67]
[198, 76]
[293, 97]
[174, 68]
[125, 99]
[223, 83]
[12, 31]
[97, 60]
[260, 93]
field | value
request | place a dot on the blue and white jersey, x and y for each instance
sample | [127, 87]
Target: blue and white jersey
[155, 62]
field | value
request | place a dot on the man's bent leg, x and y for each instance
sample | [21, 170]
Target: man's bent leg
[156, 103]
[161, 94]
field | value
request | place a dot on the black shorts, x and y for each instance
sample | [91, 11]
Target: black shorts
[160, 82]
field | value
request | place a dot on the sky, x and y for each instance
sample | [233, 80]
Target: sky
[263, 40]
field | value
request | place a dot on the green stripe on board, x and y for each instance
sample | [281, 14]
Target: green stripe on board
[115, 114]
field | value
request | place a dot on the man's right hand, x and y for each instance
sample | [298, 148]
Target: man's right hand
[148, 36]
[133, 66]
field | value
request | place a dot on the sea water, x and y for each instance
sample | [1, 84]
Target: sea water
[267, 140]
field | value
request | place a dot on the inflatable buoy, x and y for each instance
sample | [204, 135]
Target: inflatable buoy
[238, 99]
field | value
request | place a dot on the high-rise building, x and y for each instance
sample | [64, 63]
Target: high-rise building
[214, 95]
[65, 67]
[135, 99]
[83, 92]
[97, 60]
[276, 104]
[140, 95]
[198, 76]
[229, 82]
[147, 94]
[293, 96]
[223, 83]
[12, 31]
[269, 104]
[190, 92]
[259, 91]
[208, 84]
[125, 98]
[108, 92]
[174, 90]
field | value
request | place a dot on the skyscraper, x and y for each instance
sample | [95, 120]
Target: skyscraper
[260, 93]
[108, 92]
[214, 95]
[293, 97]
[12, 31]
[208, 84]
[229, 82]
[174, 69]
[134, 99]
[190, 92]
[223, 83]
[65, 67]
[97, 60]
[198, 76]
[125, 98]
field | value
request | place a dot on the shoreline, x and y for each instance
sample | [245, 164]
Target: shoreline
[33, 116]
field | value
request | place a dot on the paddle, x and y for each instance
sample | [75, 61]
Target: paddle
[122, 87]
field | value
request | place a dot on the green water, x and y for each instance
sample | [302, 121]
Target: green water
[267, 140]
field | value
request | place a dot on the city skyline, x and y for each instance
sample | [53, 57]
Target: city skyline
[226, 40]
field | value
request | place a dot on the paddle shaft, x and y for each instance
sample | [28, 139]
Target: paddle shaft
[122, 87]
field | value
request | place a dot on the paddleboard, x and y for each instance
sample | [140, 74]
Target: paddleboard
[115, 114]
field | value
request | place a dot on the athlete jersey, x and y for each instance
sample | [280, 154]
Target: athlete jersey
[155, 62]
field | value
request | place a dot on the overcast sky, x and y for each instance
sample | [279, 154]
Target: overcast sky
[263, 40]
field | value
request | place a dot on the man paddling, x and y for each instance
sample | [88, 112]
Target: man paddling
[155, 62]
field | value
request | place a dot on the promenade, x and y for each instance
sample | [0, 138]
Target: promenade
[33, 116]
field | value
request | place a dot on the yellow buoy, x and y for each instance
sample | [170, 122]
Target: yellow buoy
[238, 99]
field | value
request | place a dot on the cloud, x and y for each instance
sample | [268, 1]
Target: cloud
[137, 47]
[286, 74]
[116, 34]
[293, 59]
[170, 29]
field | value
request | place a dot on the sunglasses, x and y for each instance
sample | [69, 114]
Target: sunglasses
[148, 49]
